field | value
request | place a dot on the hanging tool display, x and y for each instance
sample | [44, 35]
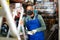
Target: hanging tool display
[18, 16]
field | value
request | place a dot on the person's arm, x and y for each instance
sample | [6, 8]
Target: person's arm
[24, 20]
[43, 26]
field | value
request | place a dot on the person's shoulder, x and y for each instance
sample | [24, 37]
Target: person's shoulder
[39, 15]
[25, 18]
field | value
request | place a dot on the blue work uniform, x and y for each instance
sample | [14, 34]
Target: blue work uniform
[34, 24]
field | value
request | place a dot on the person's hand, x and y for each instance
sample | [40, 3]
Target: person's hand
[32, 32]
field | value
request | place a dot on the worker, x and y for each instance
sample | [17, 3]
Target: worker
[34, 24]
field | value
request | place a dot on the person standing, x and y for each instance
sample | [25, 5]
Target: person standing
[35, 25]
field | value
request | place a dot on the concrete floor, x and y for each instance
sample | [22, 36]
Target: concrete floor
[10, 38]
[4, 38]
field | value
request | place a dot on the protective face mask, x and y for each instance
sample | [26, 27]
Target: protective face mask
[29, 12]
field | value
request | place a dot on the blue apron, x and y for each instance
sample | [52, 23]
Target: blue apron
[33, 24]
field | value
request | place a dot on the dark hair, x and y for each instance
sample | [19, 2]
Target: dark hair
[29, 5]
